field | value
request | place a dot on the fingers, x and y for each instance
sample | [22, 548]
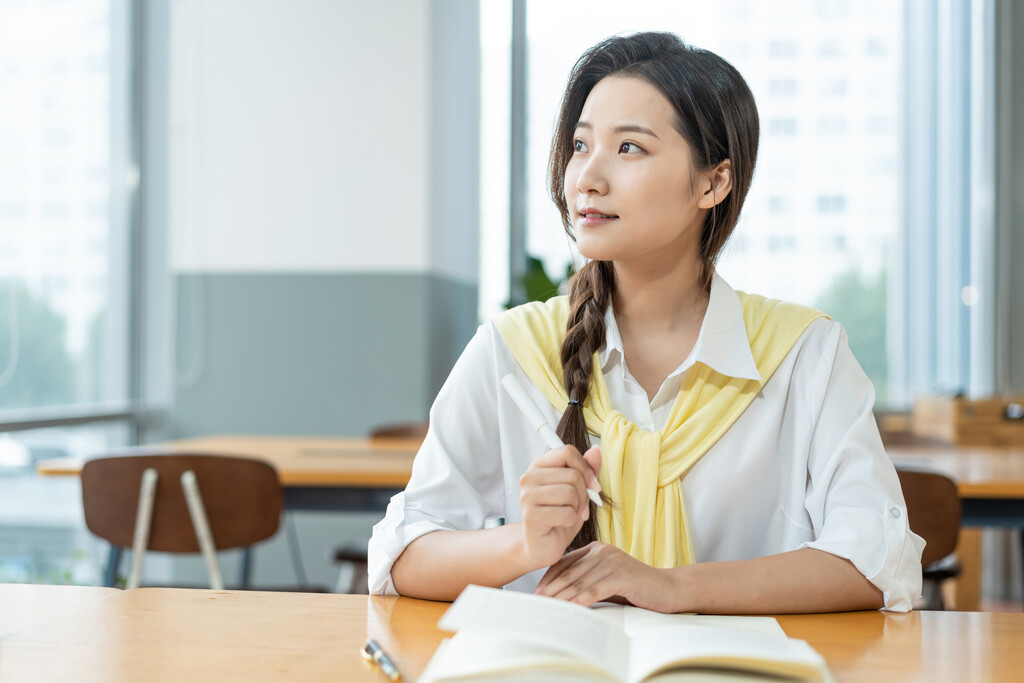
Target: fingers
[545, 518]
[581, 576]
[593, 458]
[556, 570]
[554, 486]
[554, 501]
[568, 456]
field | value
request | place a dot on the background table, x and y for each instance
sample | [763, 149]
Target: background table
[196, 635]
[313, 470]
[990, 482]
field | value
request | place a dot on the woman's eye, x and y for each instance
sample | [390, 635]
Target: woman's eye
[579, 145]
[629, 148]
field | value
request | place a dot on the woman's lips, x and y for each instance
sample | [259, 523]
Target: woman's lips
[593, 219]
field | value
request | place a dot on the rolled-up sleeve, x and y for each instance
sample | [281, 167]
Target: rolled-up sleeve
[854, 499]
[456, 480]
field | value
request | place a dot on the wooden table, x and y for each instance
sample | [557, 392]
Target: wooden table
[312, 470]
[169, 634]
[990, 480]
[991, 486]
[358, 475]
[23, 605]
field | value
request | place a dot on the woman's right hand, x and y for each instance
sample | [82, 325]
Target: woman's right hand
[554, 502]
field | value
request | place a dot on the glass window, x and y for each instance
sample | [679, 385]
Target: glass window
[66, 180]
[63, 219]
[782, 127]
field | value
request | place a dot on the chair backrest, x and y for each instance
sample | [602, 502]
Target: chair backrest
[242, 497]
[933, 509]
[402, 430]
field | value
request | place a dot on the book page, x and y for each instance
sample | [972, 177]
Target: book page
[469, 656]
[636, 620]
[545, 623]
[712, 647]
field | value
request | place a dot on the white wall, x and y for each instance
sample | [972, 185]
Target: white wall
[300, 135]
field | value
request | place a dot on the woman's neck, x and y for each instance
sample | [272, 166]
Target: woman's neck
[670, 300]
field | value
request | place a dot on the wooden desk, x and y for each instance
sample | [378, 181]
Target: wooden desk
[311, 469]
[23, 605]
[358, 474]
[167, 634]
[991, 486]
[984, 476]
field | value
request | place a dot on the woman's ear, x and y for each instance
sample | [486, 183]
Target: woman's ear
[716, 185]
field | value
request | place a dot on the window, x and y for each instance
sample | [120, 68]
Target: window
[835, 242]
[779, 204]
[64, 269]
[862, 120]
[831, 204]
[879, 125]
[830, 50]
[782, 127]
[782, 87]
[782, 49]
[833, 87]
[63, 329]
[832, 126]
[777, 243]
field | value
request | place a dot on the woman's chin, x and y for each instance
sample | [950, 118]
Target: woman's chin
[593, 250]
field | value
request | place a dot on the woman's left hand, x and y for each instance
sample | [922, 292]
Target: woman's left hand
[600, 571]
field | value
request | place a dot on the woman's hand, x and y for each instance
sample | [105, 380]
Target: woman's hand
[603, 572]
[553, 498]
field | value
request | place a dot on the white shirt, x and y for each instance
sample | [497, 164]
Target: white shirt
[802, 467]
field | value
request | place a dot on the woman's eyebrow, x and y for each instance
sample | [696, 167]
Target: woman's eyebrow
[624, 128]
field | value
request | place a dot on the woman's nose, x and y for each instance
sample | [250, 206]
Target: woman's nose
[592, 178]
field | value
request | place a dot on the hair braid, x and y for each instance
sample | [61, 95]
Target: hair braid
[590, 292]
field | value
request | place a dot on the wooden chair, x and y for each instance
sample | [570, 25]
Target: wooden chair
[933, 510]
[352, 577]
[241, 497]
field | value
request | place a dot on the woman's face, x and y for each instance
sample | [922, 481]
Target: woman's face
[628, 184]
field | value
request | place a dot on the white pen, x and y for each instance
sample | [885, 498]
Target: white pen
[537, 421]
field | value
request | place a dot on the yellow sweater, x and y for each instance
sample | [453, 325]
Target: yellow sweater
[641, 470]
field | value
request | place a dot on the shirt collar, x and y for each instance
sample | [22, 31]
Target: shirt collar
[722, 344]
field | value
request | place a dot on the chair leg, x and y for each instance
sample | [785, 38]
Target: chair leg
[246, 567]
[201, 525]
[1021, 539]
[113, 564]
[931, 592]
[143, 520]
[352, 578]
[345, 576]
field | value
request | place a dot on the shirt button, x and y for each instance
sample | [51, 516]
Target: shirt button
[894, 513]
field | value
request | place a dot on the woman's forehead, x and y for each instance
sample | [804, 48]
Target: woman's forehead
[625, 100]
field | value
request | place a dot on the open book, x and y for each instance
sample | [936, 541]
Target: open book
[510, 636]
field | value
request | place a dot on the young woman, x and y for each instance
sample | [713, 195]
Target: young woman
[731, 436]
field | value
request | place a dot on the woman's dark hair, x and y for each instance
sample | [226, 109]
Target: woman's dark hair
[716, 115]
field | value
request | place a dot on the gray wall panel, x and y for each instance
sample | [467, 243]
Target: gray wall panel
[314, 353]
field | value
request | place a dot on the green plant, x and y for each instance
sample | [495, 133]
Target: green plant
[537, 284]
